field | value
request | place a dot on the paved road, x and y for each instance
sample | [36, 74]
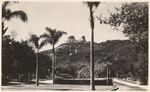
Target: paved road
[56, 88]
[124, 87]
[46, 85]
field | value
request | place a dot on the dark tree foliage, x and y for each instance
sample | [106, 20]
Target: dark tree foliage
[17, 57]
[133, 17]
[6, 55]
[25, 54]
[45, 64]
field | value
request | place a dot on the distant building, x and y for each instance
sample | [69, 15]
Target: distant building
[83, 39]
[71, 39]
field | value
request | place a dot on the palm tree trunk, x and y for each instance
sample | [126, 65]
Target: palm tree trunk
[92, 84]
[53, 65]
[37, 68]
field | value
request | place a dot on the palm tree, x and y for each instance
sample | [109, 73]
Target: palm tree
[7, 14]
[52, 37]
[91, 5]
[35, 40]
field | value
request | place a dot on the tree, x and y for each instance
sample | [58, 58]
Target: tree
[44, 65]
[25, 56]
[133, 17]
[7, 14]
[91, 5]
[35, 40]
[6, 55]
[52, 37]
[14, 62]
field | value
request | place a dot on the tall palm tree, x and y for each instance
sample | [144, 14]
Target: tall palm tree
[52, 37]
[91, 5]
[35, 40]
[7, 14]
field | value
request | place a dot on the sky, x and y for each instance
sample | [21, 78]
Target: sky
[71, 17]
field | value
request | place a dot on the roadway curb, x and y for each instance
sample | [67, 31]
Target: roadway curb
[115, 88]
[124, 82]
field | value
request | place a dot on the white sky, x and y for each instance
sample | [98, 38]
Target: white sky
[71, 17]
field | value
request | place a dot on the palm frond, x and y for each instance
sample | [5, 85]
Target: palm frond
[34, 39]
[45, 35]
[92, 4]
[96, 4]
[4, 29]
[58, 35]
[5, 4]
[88, 4]
[44, 42]
[52, 36]
[50, 31]
[49, 40]
[6, 14]
[63, 32]
[21, 14]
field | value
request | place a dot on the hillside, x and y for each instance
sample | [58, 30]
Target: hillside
[122, 56]
[72, 53]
